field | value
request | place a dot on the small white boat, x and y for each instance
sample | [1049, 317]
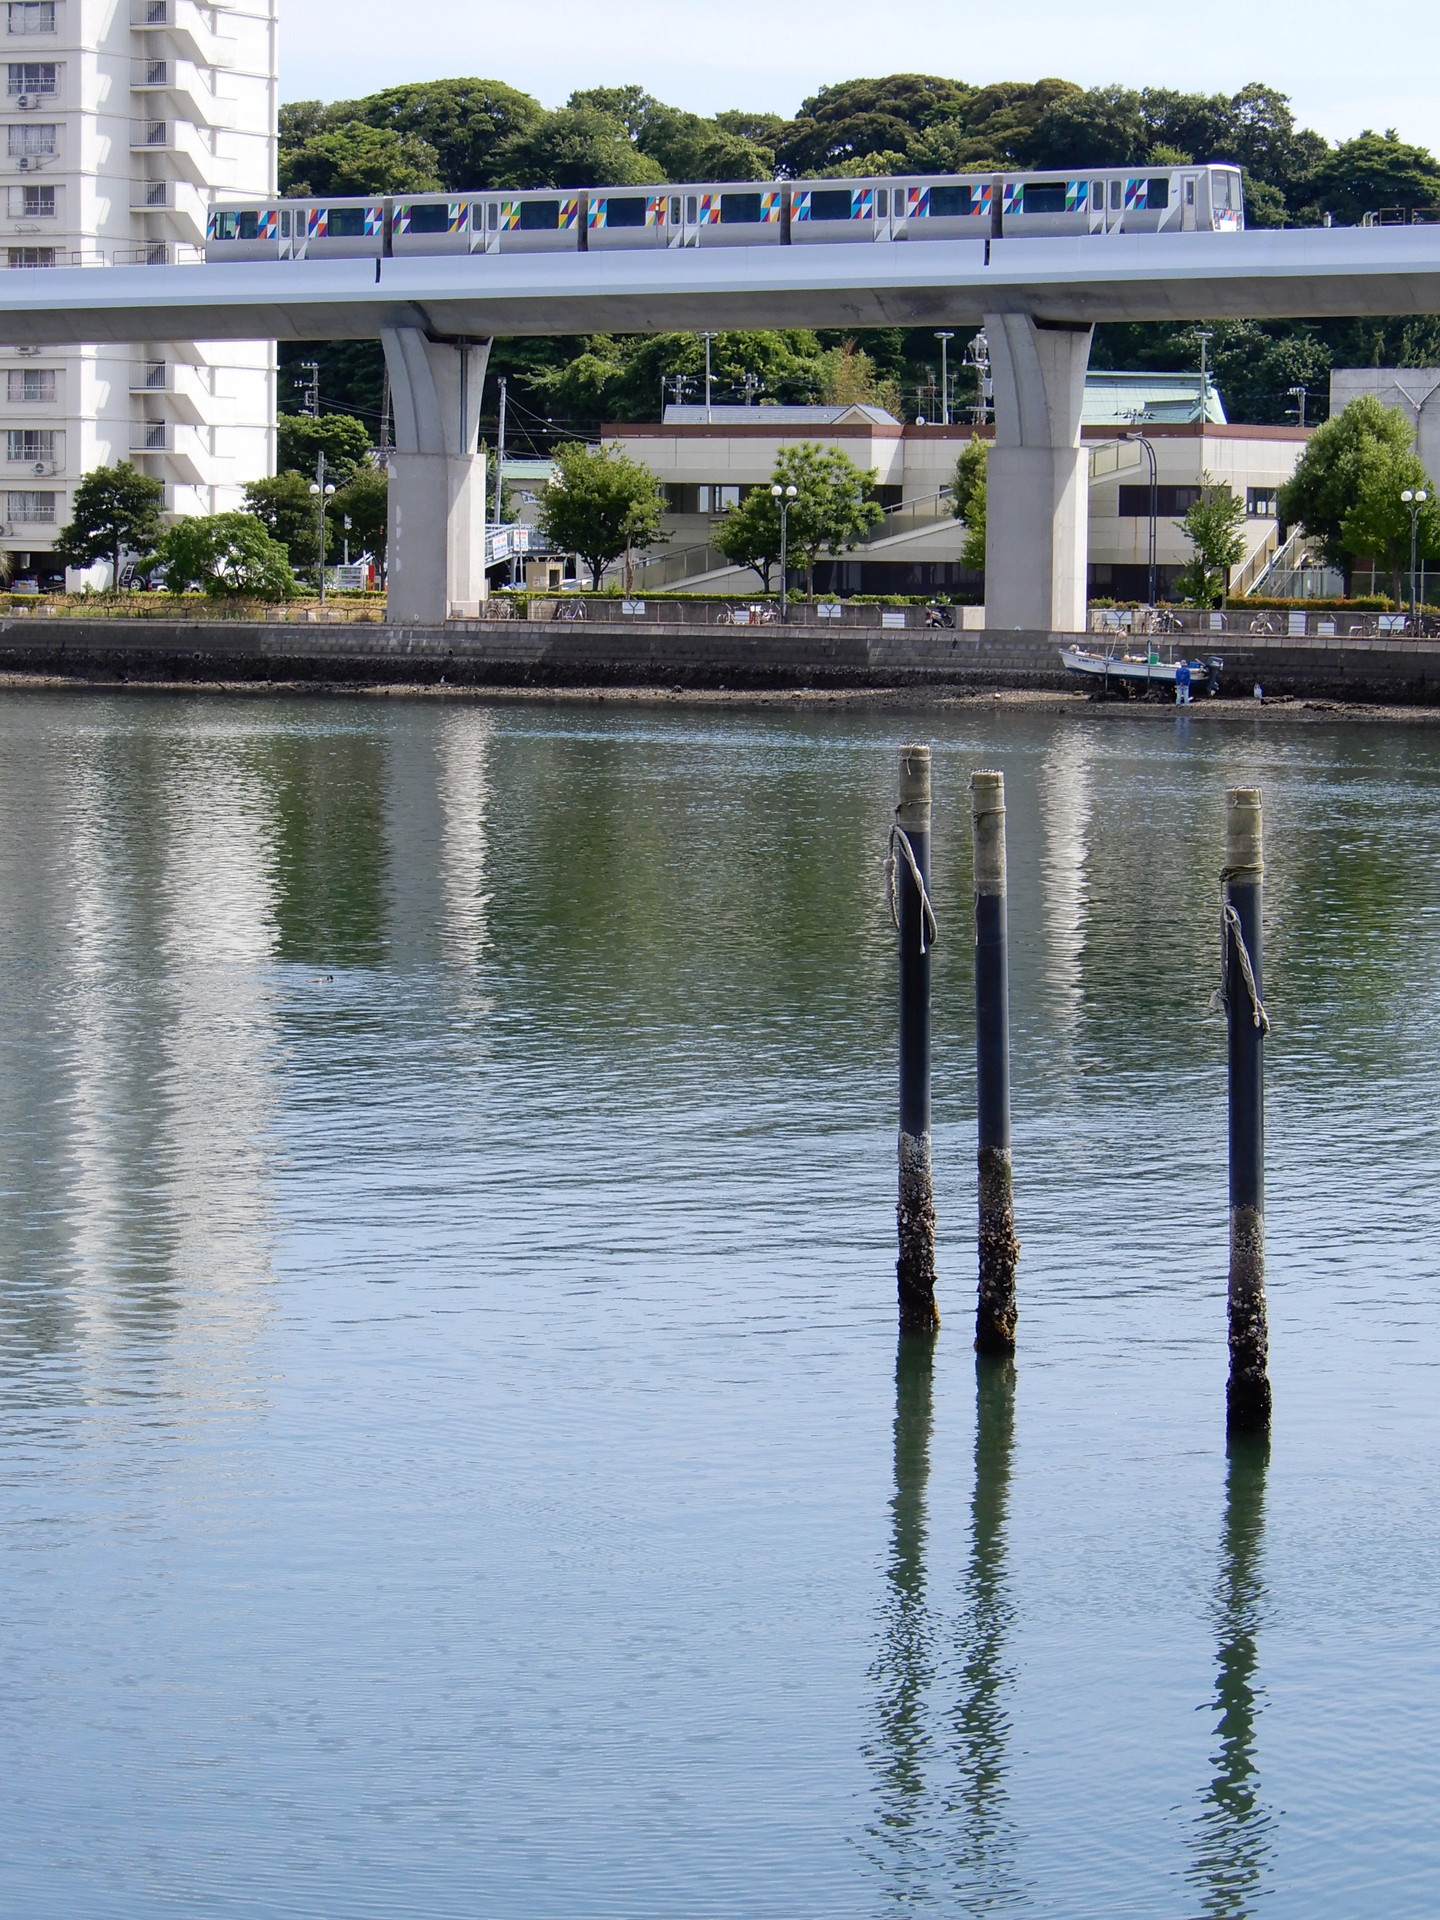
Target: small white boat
[1136, 669]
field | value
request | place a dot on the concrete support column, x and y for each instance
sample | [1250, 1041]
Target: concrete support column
[437, 484]
[1037, 494]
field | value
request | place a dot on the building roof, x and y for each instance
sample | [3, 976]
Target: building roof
[856, 414]
[1138, 399]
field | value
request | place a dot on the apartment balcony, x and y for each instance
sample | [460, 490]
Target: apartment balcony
[184, 149]
[181, 25]
[178, 448]
[182, 209]
[182, 83]
[184, 390]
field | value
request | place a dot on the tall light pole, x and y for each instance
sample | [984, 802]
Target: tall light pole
[945, 339]
[321, 491]
[707, 338]
[786, 497]
[1141, 441]
[1414, 498]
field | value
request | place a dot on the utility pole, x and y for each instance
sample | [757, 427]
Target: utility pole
[309, 388]
[1299, 395]
[707, 338]
[945, 339]
[1204, 337]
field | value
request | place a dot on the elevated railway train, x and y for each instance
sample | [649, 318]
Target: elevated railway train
[1198, 199]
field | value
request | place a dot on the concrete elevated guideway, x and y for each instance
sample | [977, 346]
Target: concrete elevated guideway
[1038, 299]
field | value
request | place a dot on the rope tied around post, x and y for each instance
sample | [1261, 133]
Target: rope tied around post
[929, 931]
[1230, 929]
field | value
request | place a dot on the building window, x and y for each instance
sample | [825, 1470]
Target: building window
[32, 203]
[30, 16]
[1260, 503]
[30, 256]
[30, 383]
[29, 443]
[30, 77]
[34, 507]
[31, 141]
[1170, 502]
[156, 73]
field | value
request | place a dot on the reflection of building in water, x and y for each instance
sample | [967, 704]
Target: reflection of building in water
[1067, 801]
[158, 1053]
[464, 747]
[985, 1839]
[1234, 1831]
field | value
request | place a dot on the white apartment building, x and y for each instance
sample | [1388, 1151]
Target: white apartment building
[121, 117]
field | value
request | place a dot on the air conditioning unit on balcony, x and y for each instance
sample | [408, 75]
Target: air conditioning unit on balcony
[25, 101]
[25, 163]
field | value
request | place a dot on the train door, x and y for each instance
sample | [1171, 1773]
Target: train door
[683, 229]
[1187, 186]
[889, 211]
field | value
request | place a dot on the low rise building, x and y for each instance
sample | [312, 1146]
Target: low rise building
[708, 459]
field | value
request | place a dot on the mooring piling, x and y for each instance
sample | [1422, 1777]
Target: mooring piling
[909, 869]
[1247, 1395]
[997, 1306]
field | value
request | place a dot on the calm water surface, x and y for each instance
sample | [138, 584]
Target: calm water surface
[454, 1457]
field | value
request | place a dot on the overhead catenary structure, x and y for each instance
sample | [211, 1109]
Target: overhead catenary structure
[1038, 300]
[121, 122]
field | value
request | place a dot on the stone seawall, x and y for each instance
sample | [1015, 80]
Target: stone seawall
[614, 653]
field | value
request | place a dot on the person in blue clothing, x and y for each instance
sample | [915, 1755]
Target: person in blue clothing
[1182, 684]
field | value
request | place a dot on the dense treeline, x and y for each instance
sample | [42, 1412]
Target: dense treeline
[482, 133]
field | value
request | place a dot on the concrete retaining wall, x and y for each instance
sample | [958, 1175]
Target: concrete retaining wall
[605, 653]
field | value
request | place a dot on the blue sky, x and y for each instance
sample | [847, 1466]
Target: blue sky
[1343, 69]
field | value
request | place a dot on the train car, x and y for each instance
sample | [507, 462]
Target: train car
[1188, 199]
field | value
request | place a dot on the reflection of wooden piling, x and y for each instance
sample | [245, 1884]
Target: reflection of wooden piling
[910, 852]
[999, 1249]
[1247, 1399]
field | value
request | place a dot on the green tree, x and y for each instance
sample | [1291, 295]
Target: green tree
[1373, 171]
[968, 499]
[1321, 493]
[575, 147]
[1214, 527]
[365, 501]
[833, 509]
[286, 508]
[1378, 523]
[300, 436]
[749, 535]
[226, 555]
[356, 158]
[116, 511]
[856, 117]
[463, 122]
[600, 504]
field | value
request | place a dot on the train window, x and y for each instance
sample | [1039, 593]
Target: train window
[430, 218]
[1157, 194]
[882, 211]
[1043, 196]
[1115, 196]
[347, 223]
[950, 203]
[1220, 191]
[740, 209]
[285, 232]
[540, 216]
[689, 215]
[492, 217]
[1189, 193]
[675, 211]
[829, 206]
[624, 213]
[1097, 195]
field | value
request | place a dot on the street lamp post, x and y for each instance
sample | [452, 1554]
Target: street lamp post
[321, 491]
[1141, 441]
[786, 497]
[945, 339]
[1414, 498]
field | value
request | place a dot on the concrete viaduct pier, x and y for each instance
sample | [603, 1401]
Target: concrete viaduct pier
[1039, 301]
